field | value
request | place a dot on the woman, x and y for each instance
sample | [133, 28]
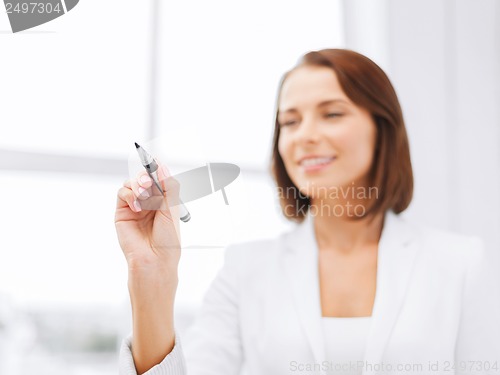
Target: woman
[352, 289]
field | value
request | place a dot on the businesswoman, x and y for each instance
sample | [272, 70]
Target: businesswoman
[352, 289]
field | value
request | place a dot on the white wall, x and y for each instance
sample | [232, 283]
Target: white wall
[443, 58]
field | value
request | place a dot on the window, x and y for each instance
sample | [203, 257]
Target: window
[83, 87]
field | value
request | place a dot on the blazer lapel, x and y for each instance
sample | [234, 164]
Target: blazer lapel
[396, 254]
[398, 248]
[301, 264]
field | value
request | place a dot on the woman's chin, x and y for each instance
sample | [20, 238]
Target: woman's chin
[321, 192]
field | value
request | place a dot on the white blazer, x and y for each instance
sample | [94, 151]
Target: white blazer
[433, 312]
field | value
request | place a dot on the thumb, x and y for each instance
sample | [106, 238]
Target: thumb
[163, 175]
[169, 199]
[169, 185]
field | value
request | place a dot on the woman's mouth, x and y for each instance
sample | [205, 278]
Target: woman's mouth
[316, 164]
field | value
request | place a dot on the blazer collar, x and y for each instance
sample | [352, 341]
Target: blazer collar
[396, 253]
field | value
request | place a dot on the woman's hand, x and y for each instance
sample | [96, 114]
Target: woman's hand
[147, 223]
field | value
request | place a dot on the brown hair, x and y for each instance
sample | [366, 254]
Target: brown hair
[366, 84]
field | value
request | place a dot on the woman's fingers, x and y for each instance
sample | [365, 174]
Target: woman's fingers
[126, 198]
[140, 194]
[141, 186]
[134, 190]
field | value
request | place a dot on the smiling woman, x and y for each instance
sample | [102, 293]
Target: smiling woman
[352, 282]
[339, 123]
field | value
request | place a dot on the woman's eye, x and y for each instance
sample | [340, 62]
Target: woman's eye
[333, 115]
[288, 123]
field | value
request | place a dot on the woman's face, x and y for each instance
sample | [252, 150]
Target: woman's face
[326, 141]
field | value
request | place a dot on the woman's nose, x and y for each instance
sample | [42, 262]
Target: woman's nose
[308, 131]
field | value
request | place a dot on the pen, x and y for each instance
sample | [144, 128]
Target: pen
[151, 166]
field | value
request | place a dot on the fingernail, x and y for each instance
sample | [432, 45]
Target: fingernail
[137, 206]
[144, 179]
[143, 192]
